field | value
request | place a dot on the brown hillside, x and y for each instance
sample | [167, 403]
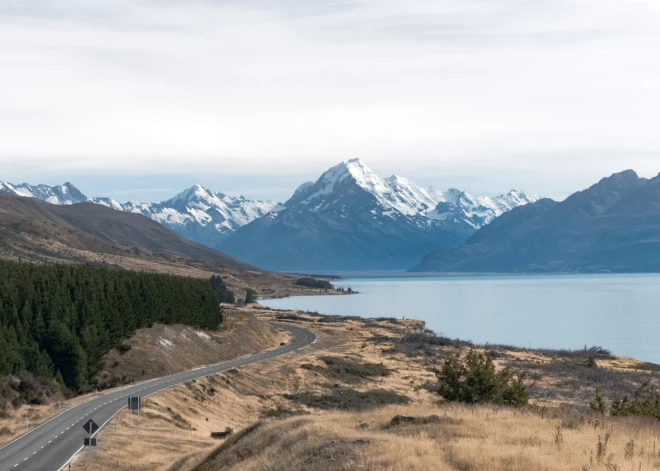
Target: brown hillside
[108, 225]
[36, 231]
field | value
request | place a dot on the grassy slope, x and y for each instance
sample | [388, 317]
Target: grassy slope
[151, 355]
[275, 428]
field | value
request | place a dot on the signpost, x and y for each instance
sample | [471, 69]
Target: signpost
[91, 428]
[134, 403]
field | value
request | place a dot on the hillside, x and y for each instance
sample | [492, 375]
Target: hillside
[91, 234]
[351, 219]
[105, 224]
[196, 213]
[613, 225]
[332, 406]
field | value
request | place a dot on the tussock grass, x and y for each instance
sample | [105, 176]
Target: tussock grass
[465, 438]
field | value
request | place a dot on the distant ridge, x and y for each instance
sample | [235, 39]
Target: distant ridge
[613, 226]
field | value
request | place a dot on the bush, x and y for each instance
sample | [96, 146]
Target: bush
[350, 399]
[476, 381]
[348, 371]
[312, 283]
[645, 403]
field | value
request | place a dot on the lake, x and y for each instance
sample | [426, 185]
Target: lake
[618, 312]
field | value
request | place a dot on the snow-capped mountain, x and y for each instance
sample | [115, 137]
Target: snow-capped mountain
[201, 215]
[349, 219]
[352, 219]
[399, 197]
[60, 194]
[195, 213]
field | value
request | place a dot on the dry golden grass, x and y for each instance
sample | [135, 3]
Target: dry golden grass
[464, 438]
[163, 349]
[275, 433]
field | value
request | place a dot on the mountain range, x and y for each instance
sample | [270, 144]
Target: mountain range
[196, 213]
[349, 219]
[613, 226]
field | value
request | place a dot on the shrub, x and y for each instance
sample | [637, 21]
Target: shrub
[645, 403]
[350, 399]
[348, 371]
[598, 405]
[476, 381]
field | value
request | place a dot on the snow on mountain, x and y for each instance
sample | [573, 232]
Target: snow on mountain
[352, 219]
[200, 206]
[397, 196]
[60, 194]
[196, 212]
[348, 219]
[477, 211]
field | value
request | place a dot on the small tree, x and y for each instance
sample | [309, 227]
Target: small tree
[250, 296]
[646, 403]
[475, 380]
[598, 405]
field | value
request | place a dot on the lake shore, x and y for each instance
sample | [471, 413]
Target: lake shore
[557, 312]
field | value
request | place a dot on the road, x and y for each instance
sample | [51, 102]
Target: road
[50, 446]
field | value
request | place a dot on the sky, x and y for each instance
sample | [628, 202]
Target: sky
[138, 99]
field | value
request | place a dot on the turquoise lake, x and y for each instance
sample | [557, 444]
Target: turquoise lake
[618, 312]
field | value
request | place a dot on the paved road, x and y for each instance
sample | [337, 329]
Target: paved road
[51, 446]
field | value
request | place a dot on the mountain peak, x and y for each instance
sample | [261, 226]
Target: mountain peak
[194, 192]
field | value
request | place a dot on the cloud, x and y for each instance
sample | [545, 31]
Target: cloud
[456, 86]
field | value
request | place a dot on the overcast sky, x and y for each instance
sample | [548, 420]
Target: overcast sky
[144, 97]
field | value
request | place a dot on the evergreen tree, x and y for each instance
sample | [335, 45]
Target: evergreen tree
[59, 321]
[250, 296]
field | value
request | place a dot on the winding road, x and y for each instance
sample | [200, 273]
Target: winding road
[52, 445]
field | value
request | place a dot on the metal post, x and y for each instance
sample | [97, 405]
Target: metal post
[90, 449]
[26, 422]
